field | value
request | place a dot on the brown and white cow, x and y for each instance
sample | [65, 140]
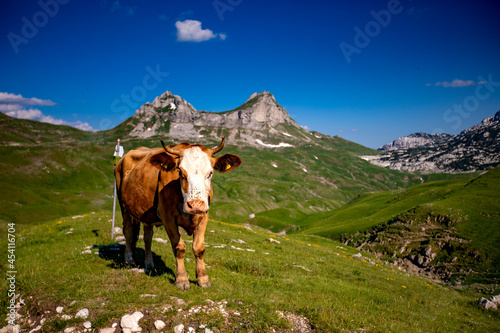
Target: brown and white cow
[169, 186]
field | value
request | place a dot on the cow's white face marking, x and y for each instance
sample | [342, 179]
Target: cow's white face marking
[198, 172]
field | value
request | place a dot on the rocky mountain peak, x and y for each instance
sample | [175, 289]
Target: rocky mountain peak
[171, 115]
[264, 94]
[262, 109]
[487, 122]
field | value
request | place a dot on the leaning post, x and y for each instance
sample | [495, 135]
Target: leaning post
[116, 157]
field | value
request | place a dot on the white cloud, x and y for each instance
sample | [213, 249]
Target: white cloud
[15, 106]
[191, 31]
[8, 98]
[457, 83]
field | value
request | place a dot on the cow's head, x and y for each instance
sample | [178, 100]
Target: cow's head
[195, 165]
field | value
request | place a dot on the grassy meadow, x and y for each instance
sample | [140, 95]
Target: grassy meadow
[253, 278]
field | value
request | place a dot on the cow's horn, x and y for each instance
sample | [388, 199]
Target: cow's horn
[169, 149]
[219, 148]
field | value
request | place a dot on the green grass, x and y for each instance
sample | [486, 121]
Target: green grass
[473, 205]
[305, 275]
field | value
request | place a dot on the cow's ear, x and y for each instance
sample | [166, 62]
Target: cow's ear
[227, 163]
[163, 161]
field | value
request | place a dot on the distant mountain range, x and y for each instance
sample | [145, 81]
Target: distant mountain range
[476, 148]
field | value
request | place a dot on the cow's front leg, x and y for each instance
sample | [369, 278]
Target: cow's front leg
[131, 232]
[199, 251]
[148, 237]
[179, 248]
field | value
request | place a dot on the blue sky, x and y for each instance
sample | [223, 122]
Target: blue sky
[368, 71]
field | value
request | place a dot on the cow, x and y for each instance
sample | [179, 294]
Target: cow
[169, 186]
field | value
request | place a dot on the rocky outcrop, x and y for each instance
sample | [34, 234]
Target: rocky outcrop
[416, 140]
[476, 148]
[490, 304]
[421, 242]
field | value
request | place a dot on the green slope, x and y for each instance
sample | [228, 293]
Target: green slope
[47, 171]
[471, 205]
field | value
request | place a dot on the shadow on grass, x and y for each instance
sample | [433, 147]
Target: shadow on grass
[115, 254]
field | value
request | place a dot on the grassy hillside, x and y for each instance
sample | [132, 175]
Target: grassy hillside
[472, 207]
[314, 280]
[49, 171]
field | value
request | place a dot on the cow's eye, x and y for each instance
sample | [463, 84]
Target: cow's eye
[210, 174]
[181, 175]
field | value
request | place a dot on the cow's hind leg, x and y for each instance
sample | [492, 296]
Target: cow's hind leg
[131, 232]
[199, 251]
[179, 248]
[148, 237]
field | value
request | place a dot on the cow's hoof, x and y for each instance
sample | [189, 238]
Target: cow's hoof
[130, 262]
[150, 266]
[184, 285]
[205, 285]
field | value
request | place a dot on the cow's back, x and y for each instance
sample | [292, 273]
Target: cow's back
[136, 181]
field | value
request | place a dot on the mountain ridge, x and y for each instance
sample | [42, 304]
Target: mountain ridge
[473, 149]
[259, 118]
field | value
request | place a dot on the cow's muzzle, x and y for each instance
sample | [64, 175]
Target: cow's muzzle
[195, 207]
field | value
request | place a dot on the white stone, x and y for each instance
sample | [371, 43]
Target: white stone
[65, 317]
[118, 230]
[190, 330]
[131, 322]
[208, 330]
[120, 238]
[161, 240]
[87, 252]
[274, 241]
[87, 324]
[179, 328]
[59, 309]
[69, 329]
[83, 313]
[39, 327]
[251, 216]
[159, 324]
